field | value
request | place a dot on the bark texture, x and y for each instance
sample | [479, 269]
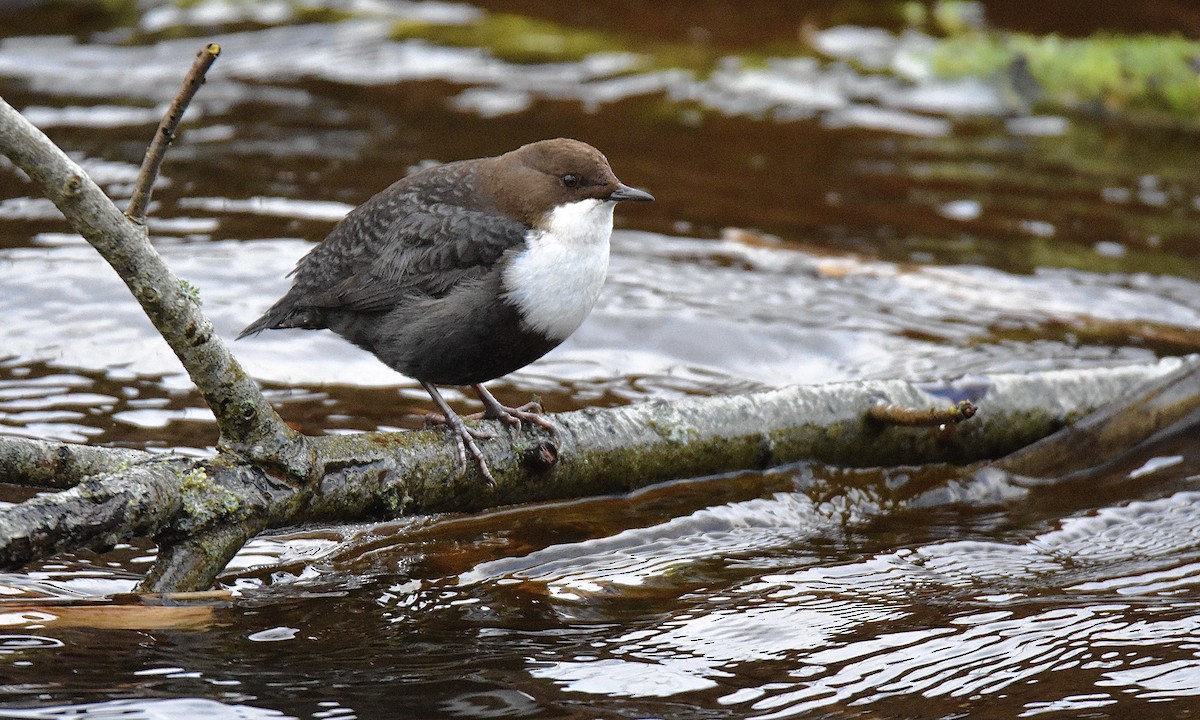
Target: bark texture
[202, 511]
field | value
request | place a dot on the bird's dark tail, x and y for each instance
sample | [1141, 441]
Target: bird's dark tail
[284, 314]
[254, 328]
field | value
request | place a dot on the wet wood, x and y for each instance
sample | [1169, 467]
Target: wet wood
[32, 463]
[201, 512]
[923, 417]
[1112, 431]
[106, 616]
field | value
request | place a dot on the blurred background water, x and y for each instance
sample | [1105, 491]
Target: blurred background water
[829, 207]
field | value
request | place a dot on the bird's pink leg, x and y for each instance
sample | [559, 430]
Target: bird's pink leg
[464, 436]
[528, 412]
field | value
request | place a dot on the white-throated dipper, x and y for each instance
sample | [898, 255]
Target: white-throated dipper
[464, 272]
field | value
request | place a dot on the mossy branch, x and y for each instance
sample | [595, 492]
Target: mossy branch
[201, 511]
[36, 463]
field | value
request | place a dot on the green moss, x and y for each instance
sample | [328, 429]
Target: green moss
[1161, 338]
[321, 14]
[1048, 253]
[191, 292]
[1120, 73]
[124, 12]
[955, 17]
[205, 501]
[873, 13]
[913, 13]
[515, 38]
[520, 39]
[672, 427]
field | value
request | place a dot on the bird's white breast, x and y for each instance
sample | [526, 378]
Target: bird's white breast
[555, 280]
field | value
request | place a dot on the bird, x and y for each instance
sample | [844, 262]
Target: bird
[461, 273]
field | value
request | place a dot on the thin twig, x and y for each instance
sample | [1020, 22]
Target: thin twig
[166, 132]
[885, 414]
[249, 427]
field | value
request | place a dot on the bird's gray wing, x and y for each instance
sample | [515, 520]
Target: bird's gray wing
[399, 247]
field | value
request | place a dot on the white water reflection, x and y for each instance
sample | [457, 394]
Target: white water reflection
[182, 708]
[833, 623]
[95, 116]
[676, 313]
[361, 51]
[254, 64]
[640, 555]
[1180, 678]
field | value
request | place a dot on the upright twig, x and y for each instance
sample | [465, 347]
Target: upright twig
[249, 427]
[166, 132]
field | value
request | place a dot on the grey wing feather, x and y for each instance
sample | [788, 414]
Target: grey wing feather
[409, 263]
[410, 241]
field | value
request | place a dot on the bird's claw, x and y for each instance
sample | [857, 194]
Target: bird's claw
[465, 439]
[464, 436]
[433, 419]
[514, 416]
[529, 412]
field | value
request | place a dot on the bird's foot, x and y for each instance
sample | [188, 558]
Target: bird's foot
[529, 412]
[465, 438]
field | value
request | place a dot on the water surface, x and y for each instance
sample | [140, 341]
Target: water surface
[815, 222]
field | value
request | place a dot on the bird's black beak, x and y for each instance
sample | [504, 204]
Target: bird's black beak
[624, 192]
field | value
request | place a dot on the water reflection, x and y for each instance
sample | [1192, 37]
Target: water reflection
[848, 632]
[678, 316]
[167, 709]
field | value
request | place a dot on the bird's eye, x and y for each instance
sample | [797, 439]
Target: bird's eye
[570, 180]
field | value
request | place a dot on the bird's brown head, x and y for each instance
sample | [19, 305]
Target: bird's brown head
[532, 180]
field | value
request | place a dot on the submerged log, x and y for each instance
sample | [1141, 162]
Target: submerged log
[202, 511]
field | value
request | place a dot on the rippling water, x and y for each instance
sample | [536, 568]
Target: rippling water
[815, 222]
